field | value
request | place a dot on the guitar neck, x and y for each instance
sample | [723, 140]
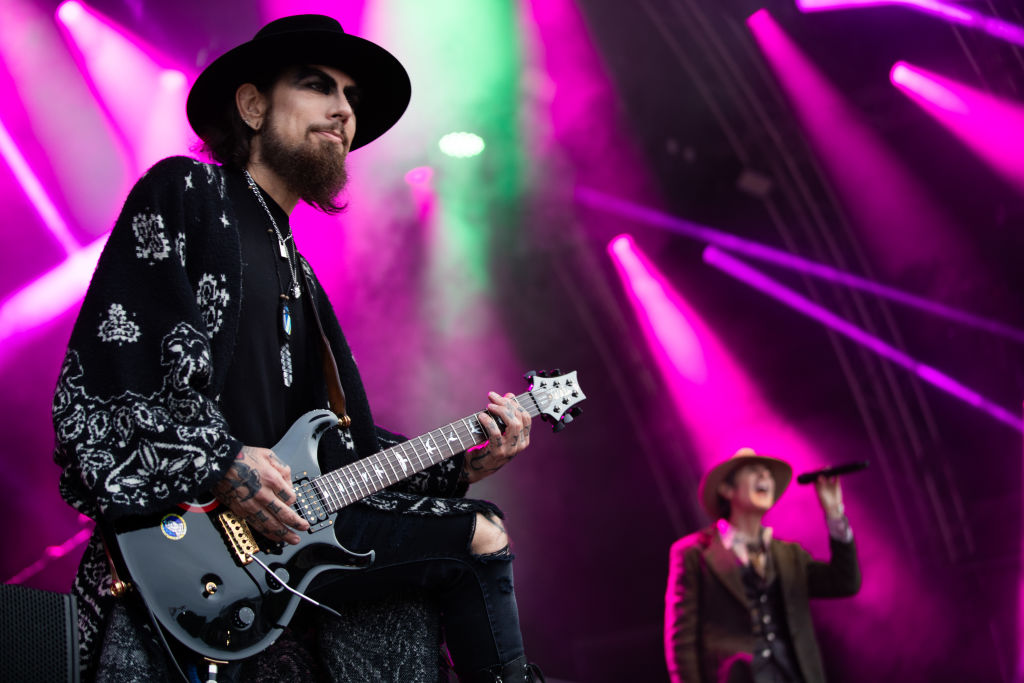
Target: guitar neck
[362, 478]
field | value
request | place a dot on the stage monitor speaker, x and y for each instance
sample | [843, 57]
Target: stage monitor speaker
[38, 636]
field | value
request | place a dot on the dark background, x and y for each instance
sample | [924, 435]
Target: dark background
[684, 106]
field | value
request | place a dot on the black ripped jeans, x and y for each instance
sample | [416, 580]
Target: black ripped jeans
[478, 603]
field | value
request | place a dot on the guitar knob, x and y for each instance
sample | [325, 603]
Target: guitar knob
[244, 616]
[279, 577]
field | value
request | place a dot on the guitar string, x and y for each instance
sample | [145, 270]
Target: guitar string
[460, 429]
[348, 484]
[355, 481]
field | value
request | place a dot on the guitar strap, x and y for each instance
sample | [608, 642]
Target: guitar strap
[335, 392]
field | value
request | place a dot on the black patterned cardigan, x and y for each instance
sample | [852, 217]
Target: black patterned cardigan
[136, 405]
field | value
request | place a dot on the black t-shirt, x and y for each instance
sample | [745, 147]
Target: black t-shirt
[257, 404]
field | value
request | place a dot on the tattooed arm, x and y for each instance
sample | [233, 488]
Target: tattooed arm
[500, 447]
[257, 488]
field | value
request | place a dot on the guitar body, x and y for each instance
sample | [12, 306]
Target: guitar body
[200, 570]
[186, 566]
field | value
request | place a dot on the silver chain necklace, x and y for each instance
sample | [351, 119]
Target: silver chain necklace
[282, 243]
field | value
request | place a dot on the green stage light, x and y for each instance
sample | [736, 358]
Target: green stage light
[461, 145]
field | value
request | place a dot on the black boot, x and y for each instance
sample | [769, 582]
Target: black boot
[517, 671]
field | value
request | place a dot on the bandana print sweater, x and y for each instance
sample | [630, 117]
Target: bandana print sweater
[135, 410]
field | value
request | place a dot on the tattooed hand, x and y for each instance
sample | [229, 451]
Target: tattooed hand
[258, 488]
[501, 447]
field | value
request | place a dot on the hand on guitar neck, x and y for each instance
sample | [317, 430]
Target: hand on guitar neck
[257, 488]
[501, 446]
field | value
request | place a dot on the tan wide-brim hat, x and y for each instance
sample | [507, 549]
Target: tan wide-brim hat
[781, 471]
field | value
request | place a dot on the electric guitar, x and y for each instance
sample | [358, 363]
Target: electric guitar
[227, 593]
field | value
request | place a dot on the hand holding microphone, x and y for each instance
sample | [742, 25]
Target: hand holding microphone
[829, 492]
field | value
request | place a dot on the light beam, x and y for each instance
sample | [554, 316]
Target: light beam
[44, 206]
[962, 16]
[143, 98]
[785, 259]
[745, 273]
[987, 124]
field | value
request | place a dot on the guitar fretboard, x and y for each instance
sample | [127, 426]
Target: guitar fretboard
[360, 479]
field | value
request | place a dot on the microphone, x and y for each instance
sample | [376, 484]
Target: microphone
[846, 468]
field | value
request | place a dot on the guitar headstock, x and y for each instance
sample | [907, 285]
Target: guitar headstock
[556, 395]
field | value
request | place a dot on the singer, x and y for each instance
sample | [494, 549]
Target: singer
[736, 607]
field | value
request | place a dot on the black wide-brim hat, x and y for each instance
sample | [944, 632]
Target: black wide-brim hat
[305, 39]
[782, 473]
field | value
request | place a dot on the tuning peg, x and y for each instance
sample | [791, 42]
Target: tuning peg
[567, 418]
[575, 411]
[530, 375]
[558, 426]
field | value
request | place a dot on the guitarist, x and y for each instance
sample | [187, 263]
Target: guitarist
[198, 344]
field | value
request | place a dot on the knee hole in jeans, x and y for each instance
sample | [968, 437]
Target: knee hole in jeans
[489, 536]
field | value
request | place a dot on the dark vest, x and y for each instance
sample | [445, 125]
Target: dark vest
[773, 659]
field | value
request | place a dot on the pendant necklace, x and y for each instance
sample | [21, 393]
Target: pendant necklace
[293, 285]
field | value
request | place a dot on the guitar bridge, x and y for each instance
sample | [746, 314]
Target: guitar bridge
[239, 537]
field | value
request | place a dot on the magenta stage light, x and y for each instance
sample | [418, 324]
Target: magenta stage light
[35, 192]
[717, 401]
[55, 552]
[664, 318]
[721, 406]
[1020, 622]
[745, 273]
[49, 295]
[349, 13]
[50, 103]
[987, 124]
[424, 196]
[942, 9]
[421, 176]
[763, 252]
[723, 409]
[165, 131]
[143, 98]
[956, 14]
[903, 228]
[912, 80]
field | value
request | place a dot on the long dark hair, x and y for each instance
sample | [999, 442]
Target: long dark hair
[229, 140]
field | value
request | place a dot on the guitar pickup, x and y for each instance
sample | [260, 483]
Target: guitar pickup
[239, 537]
[310, 506]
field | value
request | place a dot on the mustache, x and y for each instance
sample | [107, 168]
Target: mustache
[337, 130]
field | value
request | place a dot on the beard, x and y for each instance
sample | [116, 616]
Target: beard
[315, 171]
